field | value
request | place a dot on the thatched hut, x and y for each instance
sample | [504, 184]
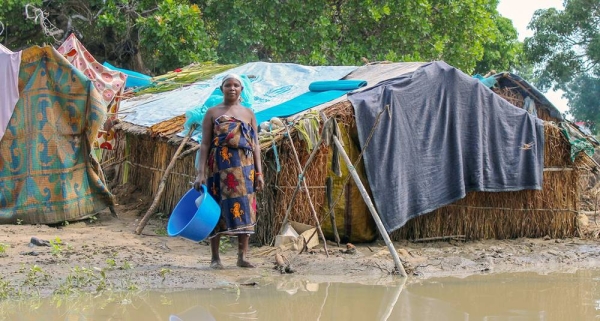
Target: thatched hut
[142, 154]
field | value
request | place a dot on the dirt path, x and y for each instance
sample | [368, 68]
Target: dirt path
[103, 252]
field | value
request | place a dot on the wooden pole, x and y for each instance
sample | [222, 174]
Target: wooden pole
[161, 186]
[329, 197]
[301, 178]
[392, 304]
[189, 151]
[310, 159]
[371, 207]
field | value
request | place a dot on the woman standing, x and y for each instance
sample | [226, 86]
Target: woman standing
[230, 166]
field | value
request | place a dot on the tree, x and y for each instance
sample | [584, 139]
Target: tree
[467, 34]
[565, 48]
[173, 35]
[346, 31]
[20, 32]
[131, 33]
[565, 43]
[503, 52]
[583, 94]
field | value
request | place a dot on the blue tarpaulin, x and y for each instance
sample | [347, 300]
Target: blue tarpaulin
[134, 79]
[272, 84]
[320, 92]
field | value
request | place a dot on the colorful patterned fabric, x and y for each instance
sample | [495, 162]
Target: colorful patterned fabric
[47, 171]
[231, 175]
[110, 83]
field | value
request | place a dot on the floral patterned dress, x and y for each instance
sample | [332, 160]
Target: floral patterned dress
[230, 182]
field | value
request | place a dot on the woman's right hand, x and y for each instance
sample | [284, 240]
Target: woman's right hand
[200, 180]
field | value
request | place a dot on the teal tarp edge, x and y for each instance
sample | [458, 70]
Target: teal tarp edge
[134, 79]
[319, 86]
[320, 92]
[299, 104]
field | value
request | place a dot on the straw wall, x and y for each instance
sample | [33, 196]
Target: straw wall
[551, 211]
[280, 187]
[143, 160]
[353, 221]
[480, 215]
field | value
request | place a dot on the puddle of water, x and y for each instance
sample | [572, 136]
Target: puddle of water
[522, 296]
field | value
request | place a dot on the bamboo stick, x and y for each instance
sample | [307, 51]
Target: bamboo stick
[371, 207]
[557, 169]
[329, 196]
[392, 304]
[189, 151]
[161, 186]
[310, 159]
[301, 178]
[440, 238]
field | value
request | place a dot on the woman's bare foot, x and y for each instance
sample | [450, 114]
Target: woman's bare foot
[244, 264]
[216, 264]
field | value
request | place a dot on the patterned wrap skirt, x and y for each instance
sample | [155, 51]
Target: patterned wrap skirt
[230, 181]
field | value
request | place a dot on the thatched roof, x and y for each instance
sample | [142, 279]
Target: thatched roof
[509, 86]
[519, 85]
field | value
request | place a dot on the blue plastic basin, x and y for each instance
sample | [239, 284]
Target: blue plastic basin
[191, 222]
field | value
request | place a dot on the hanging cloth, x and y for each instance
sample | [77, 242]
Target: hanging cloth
[9, 85]
[109, 83]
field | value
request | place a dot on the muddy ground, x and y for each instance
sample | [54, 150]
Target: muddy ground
[103, 253]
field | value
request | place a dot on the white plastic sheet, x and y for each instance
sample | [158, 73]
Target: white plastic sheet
[273, 83]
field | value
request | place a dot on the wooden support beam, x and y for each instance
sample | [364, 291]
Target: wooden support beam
[365, 195]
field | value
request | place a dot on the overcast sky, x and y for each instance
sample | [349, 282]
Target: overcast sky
[521, 12]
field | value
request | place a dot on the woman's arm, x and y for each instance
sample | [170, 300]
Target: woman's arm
[207, 138]
[259, 181]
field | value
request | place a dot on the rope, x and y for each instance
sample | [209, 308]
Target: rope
[516, 209]
[1, 28]
[39, 16]
[290, 187]
[158, 169]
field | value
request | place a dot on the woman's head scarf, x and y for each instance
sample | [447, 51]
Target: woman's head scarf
[231, 76]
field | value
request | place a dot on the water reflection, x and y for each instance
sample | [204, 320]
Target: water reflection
[197, 313]
[525, 296]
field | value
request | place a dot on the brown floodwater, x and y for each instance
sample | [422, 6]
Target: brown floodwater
[515, 296]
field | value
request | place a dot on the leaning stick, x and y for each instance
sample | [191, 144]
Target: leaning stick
[310, 159]
[392, 304]
[301, 178]
[371, 207]
[189, 151]
[161, 186]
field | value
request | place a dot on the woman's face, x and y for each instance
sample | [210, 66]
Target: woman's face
[231, 89]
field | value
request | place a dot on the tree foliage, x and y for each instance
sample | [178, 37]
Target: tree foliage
[583, 94]
[175, 35]
[565, 48]
[345, 31]
[18, 31]
[503, 52]
[134, 33]
[565, 43]
[163, 34]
